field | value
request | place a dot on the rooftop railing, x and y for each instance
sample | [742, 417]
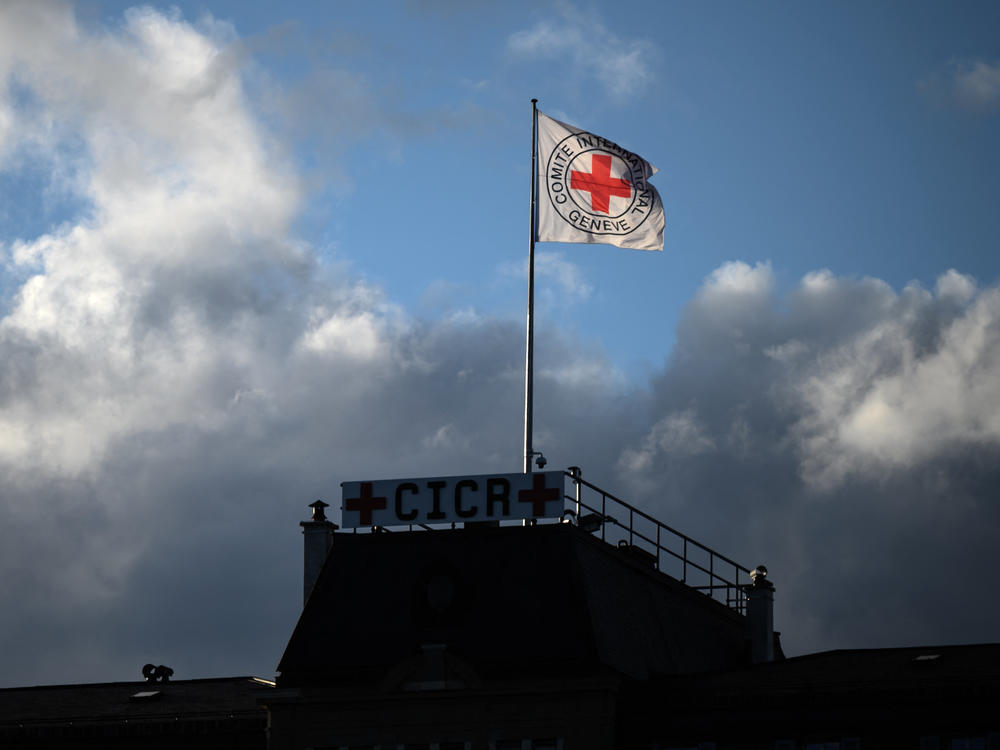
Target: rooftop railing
[646, 539]
[667, 549]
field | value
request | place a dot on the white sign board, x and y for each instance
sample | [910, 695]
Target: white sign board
[484, 497]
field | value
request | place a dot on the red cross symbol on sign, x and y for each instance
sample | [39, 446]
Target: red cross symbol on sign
[366, 503]
[600, 184]
[538, 495]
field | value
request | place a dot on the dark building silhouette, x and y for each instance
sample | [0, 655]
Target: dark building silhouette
[190, 714]
[546, 636]
[489, 636]
[606, 630]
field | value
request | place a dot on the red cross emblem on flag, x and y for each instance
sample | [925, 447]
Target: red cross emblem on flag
[594, 190]
[600, 184]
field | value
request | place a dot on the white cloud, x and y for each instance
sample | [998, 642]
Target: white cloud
[977, 83]
[787, 351]
[956, 286]
[566, 274]
[582, 374]
[817, 282]
[564, 281]
[354, 335]
[866, 382]
[738, 278]
[676, 434]
[581, 43]
[879, 403]
[120, 310]
[733, 305]
[970, 84]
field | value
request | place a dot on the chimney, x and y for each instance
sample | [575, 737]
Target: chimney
[317, 539]
[760, 616]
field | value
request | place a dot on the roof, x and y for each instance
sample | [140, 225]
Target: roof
[853, 669]
[850, 675]
[506, 600]
[931, 690]
[225, 697]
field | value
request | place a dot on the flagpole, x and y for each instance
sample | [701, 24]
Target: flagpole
[529, 344]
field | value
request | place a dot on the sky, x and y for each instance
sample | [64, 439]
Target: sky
[250, 251]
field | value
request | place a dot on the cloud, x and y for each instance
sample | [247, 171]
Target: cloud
[566, 283]
[678, 433]
[582, 43]
[956, 286]
[846, 429]
[915, 386]
[868, 381]
[977, 84]
[970, 84]
[180, 375]
[180, 186]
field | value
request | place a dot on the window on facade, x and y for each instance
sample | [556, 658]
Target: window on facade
[968, 743]
[547, 743]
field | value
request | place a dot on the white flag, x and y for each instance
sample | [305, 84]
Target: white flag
[593, 190]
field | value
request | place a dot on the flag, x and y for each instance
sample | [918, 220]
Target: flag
[593, 190]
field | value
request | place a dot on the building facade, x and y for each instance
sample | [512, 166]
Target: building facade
[597, 630]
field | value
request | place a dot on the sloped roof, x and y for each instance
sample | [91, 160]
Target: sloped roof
[546, 599]
[889, 696]
[919, 667]
[96, 702]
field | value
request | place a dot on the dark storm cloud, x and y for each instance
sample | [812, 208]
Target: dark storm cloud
[180, 377]
[845, 435]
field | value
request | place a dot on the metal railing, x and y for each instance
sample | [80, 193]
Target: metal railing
[669, 551]
[639, 534]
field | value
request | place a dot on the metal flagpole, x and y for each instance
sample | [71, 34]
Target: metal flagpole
[529, 346]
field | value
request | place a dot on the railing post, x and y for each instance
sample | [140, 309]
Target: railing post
[736, 594]
[658, 548]
[684, 567]
[604, 512]
[577, 474]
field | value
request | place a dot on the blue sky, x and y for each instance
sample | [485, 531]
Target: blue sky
[823, 136]
[249, 251]
[807, 137]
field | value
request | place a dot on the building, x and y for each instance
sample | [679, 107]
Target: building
[439, 622]
[194, 714]
[606, 630]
